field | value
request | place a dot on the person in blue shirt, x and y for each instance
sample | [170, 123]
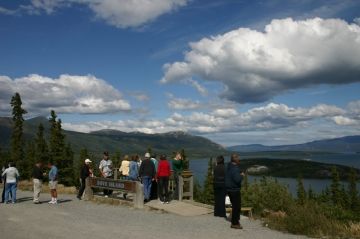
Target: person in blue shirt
[53, 181]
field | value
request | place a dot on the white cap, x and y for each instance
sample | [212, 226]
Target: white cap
[87, 161]
[147, 155]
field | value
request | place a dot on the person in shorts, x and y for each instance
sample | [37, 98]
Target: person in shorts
[106, 170]
[53, 181]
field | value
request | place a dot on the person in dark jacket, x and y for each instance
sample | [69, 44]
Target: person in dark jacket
[233, 178]
[84, 174]
[147, 175]
[219, 188]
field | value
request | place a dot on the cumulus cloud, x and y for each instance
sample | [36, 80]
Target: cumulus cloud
[269, 117]
[342, 120]
[255, 66]
[132, 13]
[183, 104]
[119, 13]
[66, 94]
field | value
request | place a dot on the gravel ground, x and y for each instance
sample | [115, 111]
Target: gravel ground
[86, 220]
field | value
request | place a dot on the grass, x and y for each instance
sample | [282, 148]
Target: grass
[61, 189]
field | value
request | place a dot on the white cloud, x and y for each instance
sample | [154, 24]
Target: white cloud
[255, 66]
[183, 104]
[66, 94]
[119, 13]
[140, 96]
[132, 13]
[269, 117]
[341, 120]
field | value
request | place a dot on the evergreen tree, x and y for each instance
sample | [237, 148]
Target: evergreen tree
[66, 169]
[353, 192]
[30, 157]
[185, 159]
[245, 183]
[336, 196]
[208, 192]
[116, 159]
[311, 194]
[17, 140]
[301, 193]
[60, 154]
[42, 152]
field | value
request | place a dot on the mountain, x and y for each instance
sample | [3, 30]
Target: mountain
[348, 144]
[113, 140]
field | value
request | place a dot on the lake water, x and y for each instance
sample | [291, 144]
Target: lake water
[199, 168]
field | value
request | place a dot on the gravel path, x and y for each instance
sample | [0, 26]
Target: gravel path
[86, 220]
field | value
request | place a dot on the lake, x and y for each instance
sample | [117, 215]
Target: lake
[199, 168]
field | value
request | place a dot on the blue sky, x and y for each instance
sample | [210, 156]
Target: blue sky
[238, 72]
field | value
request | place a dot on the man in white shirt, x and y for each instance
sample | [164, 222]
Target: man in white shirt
[12, 175]
[106, 170]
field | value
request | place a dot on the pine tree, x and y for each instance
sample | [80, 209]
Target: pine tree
[17, 139]
[30, 157]
[311, 194]
[42, 151]
[336, 197]
[185, 159]
[208, 192]
[301, 193]
[245, 183]
[116, 159]
[60, 154]
[354, 203]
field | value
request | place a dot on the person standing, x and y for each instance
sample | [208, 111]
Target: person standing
[84, 174]
[4, 184]
[162, 176]
[124, 168]
[53, 182]
[219, 188]
[154, 186]
[134, 168]
[106, 170]
[177, 167]
[147, 175]
[233, 178]
[38, 177]
[11, 175]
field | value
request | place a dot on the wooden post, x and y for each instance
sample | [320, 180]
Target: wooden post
[181, 187]
[89, 193]
[191, 181]
[139, 196]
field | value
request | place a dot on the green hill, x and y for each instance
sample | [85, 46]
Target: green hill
[112, 140]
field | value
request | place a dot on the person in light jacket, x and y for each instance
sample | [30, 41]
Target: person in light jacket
[11, 174]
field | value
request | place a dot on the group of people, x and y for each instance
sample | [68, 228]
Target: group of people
[227, 181]
[153, 173]
[10, 177]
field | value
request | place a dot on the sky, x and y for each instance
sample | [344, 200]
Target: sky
[269, 72]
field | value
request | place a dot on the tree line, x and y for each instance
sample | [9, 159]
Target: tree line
[43, 148]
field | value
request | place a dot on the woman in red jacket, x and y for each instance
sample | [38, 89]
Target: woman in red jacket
[163, 174]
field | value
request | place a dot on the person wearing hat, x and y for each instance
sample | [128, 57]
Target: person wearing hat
[147, 175]
[84, 174]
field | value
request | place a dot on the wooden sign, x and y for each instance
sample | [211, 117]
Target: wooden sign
[107, 183]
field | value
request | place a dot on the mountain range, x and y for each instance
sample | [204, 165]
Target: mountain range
[348, 144]
[112, 140]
